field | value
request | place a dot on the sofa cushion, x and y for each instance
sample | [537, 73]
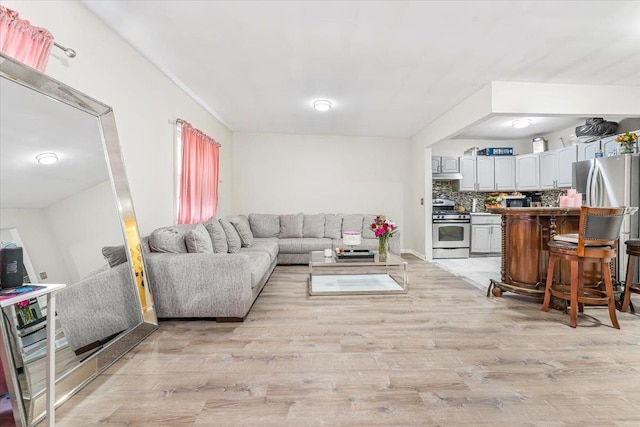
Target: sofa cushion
[115, 255]
[266, 245]
[367, 231]
[259, 263]
[313, 226]
[233, 239]
[333, 226]
[218, 236]
[264, 225]
[291, 226]
[352, 222]
[301, 246]
[169, 239]
[241, 223]
[198, 240]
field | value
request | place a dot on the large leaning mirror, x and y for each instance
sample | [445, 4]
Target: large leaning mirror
[75, 222]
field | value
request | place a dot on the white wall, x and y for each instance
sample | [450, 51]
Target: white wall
[82, 225]
[275, 173]
[143, 100]
[39, 242]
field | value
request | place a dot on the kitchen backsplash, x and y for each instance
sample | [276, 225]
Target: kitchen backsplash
[446, 190]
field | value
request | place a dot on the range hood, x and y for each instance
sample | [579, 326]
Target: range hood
[447, 176]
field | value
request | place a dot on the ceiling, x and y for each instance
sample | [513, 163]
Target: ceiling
[31, 124]
[390, 68]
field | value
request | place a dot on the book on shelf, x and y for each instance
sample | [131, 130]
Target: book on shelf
[6, 293]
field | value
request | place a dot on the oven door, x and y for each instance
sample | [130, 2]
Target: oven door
[451, 235]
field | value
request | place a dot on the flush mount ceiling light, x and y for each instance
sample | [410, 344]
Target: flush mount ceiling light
[47, 158]
[521, 123]
[322, 104]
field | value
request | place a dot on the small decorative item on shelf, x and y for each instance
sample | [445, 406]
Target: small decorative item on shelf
[24, 313]
[626, 141]
[383, 229]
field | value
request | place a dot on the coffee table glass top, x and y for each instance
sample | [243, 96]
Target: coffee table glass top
[318, 260]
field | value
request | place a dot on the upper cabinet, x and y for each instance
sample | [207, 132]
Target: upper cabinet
[505, 173]
[556, 167]
[444, 164]
[477, 173]
[528, 172]
[588, 151]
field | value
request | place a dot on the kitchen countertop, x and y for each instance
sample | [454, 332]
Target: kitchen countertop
[481, 213]
[537, 211]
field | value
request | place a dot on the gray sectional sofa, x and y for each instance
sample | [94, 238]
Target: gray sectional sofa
[217, 269]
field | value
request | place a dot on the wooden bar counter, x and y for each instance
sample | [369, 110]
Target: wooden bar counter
[525, 234]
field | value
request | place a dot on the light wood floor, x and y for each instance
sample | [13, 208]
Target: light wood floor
[441, 355]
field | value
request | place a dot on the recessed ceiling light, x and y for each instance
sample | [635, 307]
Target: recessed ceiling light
[322, 104]
[522, 123]
[47, 158]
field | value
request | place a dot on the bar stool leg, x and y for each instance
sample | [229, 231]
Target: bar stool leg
[573, 312]
[628, 284]
[606, 268]
[547, 289]
[580, 285]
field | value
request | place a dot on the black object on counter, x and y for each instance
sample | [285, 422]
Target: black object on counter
[11, 267]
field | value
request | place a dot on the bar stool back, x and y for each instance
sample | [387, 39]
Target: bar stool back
[595, 242]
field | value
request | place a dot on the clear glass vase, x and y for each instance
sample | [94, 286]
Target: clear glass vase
[382, 248]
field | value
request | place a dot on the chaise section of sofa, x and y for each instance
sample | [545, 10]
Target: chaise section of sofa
[191, 284]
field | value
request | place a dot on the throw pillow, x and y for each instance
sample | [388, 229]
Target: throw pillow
[115, 255]
[352, 222]
[198, 240]
[264, 225]
[291, 226]
[218, 236]
[233, 239]
[167, 239]
[241, 223]
[313, 226]
[333, 226]
[367, 232]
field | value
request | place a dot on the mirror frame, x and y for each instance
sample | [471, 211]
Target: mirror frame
[72, 381]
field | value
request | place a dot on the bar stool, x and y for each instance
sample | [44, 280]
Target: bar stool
[633, 250]
[595, 242]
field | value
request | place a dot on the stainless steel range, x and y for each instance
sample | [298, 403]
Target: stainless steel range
[451, 230]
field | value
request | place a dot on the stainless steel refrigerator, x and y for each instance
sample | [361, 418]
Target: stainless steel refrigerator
[612, 181]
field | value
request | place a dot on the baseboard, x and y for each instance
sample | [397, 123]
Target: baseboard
[414, 253]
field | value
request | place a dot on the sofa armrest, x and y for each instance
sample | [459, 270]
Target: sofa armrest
[200, 285]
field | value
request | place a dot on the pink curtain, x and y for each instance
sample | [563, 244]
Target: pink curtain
[199, 177]
[22, 41]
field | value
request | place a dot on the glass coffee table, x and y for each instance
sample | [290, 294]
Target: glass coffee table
[327, 276]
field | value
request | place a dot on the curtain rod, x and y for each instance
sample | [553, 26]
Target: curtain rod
[67, 50]
[179, 122]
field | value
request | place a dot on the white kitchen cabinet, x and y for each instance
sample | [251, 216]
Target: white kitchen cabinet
[609, 146]
[444, 164]
[588, 151]
[485, 173]
[468, 172]
[449, 164]
[566, 157]
[435, 165]
[477, 173]
[505, 173]
[528, 172]
[548, 169]
[556, 167]
[486, 234]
